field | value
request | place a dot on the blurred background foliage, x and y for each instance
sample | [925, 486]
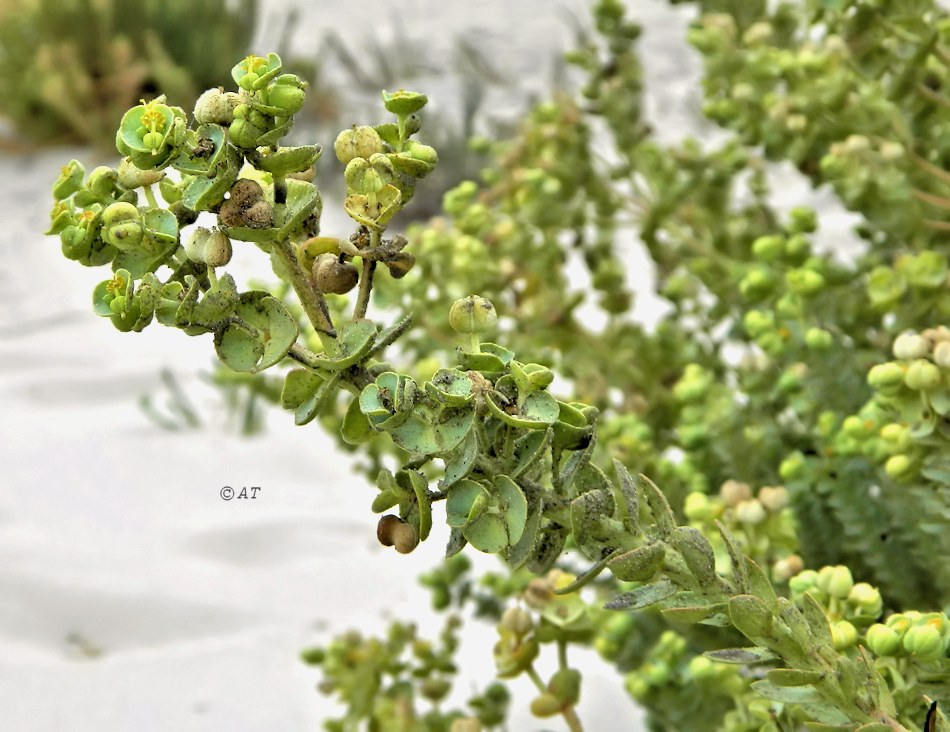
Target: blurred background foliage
[61, 53]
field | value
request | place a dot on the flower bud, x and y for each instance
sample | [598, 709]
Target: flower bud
[883, 640]
[69, 181]
[784, 569]
[516, 620]
[358, 142]
[472, 314]
[758, 322]
[424, 153]
[404, 102]
[818, 339]
[923, 376]
[733, 492]
[911, 345]
[843, 635]
[131, 176]
[803, 581]
[698, 507]
[287, 96]
[750, 512]
[804, 281]
[941, 355]
[866, 598]
[121, 226]
[768, 248]
[899, 467]
[546, 705]
[774, 498]
[924, 642]
[886, 378]
[835, 581]
[466, 724]
[793, 466]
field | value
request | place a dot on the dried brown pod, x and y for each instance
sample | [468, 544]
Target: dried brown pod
[405, 538]
[385, 529]
[400, 264]
[259, 215]
[246, 192]
[332, 276]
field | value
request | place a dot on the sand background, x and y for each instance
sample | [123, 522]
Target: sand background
[132, 597]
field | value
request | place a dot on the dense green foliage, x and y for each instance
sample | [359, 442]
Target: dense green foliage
[81, 63]
[783, 564]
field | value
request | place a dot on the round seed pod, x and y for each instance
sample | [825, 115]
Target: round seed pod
[405, 538]
[358, 142]
[217, 249]
[259, 215]
[472, 314]
[231, 213]
[245, 192]
[216, 106]
[385, 529]
[208, 246]
[400, 264]
[333, 276]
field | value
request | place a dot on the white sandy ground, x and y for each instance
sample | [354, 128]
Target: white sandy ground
[132, 597]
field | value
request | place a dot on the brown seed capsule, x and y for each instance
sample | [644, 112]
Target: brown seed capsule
[332, 276]
[231, 214]
[259, 215]
[400, 264]
[405, 538]
[245, 192]
[385, 529]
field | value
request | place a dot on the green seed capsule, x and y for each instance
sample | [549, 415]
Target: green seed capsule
[923, 376]
[472, 314]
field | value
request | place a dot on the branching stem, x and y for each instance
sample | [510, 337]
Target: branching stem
[366, 281]
[314, 305]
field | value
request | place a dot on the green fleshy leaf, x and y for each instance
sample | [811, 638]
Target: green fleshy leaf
[638, 565]
[514, 507]
[488, 533]
[659, 507]
[288, 160]
[792, 677]
[741, 656]
[547, 548]
[209, 142]
[460, 461]
[692, 615]
[540, 409]
[529, 449]
[450, 387]
[355, 339]
[275, 331]
[356, 428]
[520, 552]
[484, 362]
[642, 596]
[419, 488]
[299, 385]
[630, 503]
[460, 500]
